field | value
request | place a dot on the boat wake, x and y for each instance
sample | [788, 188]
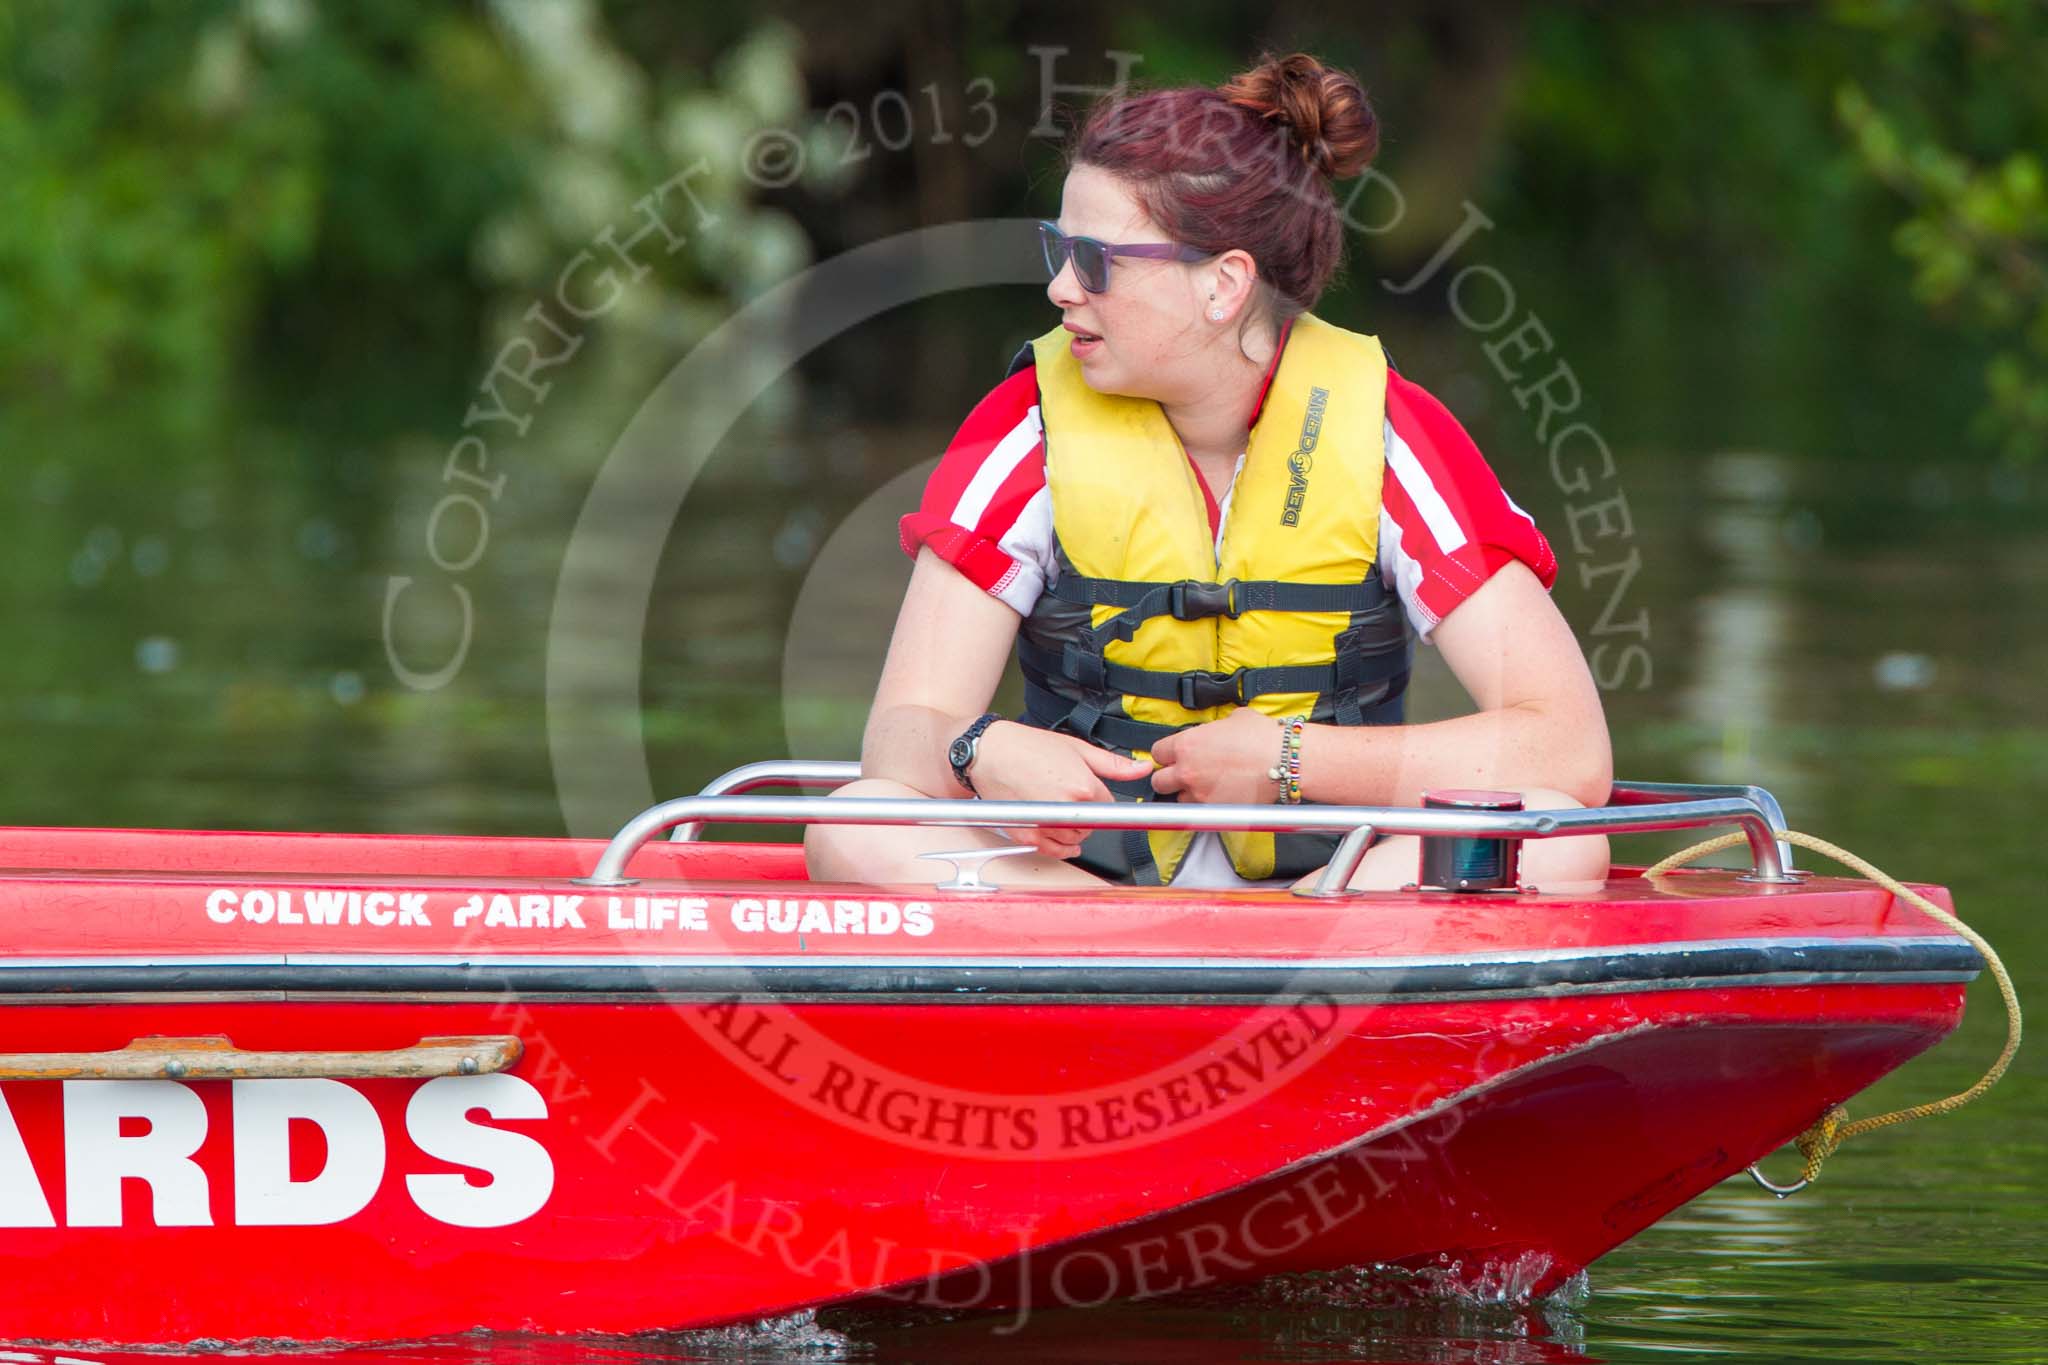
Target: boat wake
[1489, 1303]
[1450, 1284]
[1490, 1308]
[794, 1336]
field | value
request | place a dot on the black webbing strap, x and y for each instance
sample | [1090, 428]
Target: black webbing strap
[1389, 709]
[1358, 671]
[1266, 595]
[1233, 597]
[1345, 708]
[1191, 599]
[1198, 690]
[1344, 705]
[1195, 689]
[1050, 711]
[1138, 849]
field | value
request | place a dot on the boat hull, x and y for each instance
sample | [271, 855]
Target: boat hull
[737, 1094]
[693, 1163]
[1500, 1196]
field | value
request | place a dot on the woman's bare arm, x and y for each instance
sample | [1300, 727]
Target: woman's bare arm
[945, 659]
[1539, 722]
[951, 643]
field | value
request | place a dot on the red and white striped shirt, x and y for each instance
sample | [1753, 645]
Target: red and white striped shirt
[1446, 525]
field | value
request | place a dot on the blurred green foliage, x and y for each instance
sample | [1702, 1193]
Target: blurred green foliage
[199, 189]
[1955, 120]
[1675, 199]
[1819, 209]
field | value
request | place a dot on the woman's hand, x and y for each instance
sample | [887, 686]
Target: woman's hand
[1221, 760]
[1017, 762]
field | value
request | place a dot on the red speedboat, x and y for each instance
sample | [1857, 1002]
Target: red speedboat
[372, 1087]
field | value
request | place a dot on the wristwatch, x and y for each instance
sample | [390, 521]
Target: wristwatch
[961, 752]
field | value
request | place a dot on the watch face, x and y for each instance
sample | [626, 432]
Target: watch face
[959, 753]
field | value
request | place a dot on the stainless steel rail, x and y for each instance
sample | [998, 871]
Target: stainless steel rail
[1655, 793]
[1347, 820]
[828, 774]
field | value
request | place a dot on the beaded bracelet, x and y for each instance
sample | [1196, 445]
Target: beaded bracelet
[1287, 772]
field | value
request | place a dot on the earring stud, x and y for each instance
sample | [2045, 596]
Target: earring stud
[1215, 315]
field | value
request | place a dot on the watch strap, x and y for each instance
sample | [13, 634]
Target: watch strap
[960, 753]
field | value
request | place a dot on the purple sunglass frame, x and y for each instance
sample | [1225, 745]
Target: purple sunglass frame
[1059, 249]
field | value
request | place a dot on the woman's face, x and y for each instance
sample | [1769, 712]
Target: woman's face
[1138, 337]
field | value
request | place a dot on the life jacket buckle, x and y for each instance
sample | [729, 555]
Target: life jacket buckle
[1200, 691]
[1191, 599]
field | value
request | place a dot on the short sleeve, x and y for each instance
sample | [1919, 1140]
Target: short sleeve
[986, 510]
[1446, 524]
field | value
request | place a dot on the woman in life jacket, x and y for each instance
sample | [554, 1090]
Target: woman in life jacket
[1211, 525]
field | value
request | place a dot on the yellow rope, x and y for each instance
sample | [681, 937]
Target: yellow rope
[1834, 1128]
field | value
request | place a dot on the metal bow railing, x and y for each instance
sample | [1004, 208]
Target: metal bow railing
[1638, 808]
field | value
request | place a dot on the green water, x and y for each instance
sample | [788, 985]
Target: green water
[197, 642]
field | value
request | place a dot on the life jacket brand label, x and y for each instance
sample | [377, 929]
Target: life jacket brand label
[1304, 457]
[101, 1150]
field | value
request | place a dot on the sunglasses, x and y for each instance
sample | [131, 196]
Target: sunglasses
[1091, 257]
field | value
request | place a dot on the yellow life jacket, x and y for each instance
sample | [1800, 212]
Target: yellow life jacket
[1151, 627]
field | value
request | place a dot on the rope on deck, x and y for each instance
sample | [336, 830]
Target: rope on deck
[1835, 1127]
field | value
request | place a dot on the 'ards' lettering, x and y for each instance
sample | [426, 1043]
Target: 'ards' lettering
[1304, 457]
[102, 1148]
